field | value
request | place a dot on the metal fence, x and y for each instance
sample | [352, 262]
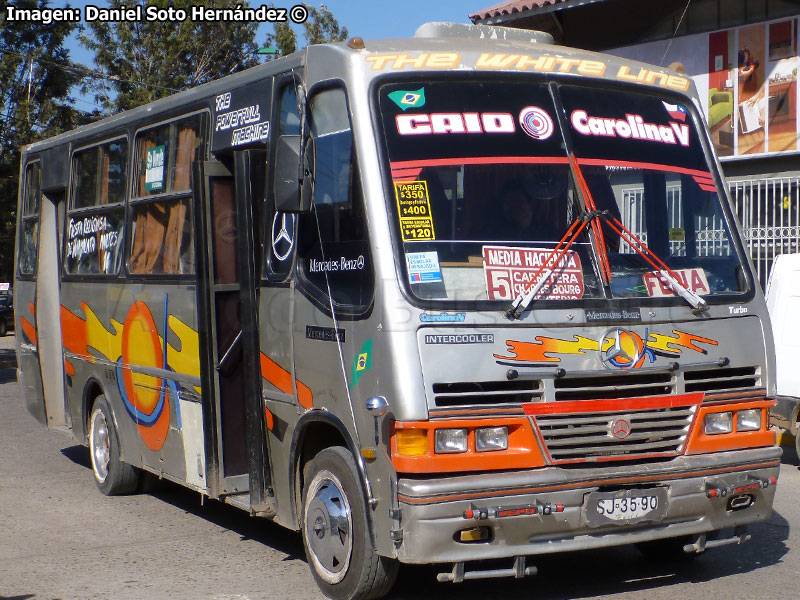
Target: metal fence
[769, 214]
[711, 238]
[768, 210]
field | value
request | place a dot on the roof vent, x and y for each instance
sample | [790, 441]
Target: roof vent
[481, 32]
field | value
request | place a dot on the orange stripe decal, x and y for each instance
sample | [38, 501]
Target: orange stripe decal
[282, 379]
[270, 419]
[28, 330]
[73, 333]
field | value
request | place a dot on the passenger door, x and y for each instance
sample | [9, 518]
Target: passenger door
[25, 296]
[227, 318]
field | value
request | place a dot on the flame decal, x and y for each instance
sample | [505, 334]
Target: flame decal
[680, 341]
[539, 350]
[549, 350]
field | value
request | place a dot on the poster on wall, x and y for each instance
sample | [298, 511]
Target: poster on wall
[782, 87]
[751, 103]
[721, 79]
[746, 78]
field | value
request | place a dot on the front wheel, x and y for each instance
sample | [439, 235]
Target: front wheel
[112, 476]
[336, 534]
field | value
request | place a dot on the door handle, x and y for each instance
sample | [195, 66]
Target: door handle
[229, 351]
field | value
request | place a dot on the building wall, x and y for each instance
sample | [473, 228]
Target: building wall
[747, 81]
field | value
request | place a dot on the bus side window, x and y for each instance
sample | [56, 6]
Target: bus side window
[162, 237]
[29, 226]
[96, 219]
[334, 246]
[281, 228]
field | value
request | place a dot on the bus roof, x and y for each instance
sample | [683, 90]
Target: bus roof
[434, 47]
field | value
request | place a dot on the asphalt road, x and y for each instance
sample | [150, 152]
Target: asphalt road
[61, 539]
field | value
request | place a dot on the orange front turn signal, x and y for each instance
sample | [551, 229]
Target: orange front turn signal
[412, 442]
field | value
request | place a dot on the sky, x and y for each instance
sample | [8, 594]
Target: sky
[367, 19]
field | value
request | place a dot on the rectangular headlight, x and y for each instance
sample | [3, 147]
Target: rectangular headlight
[748, 420]
[450, 441]
[719, 423]
[491, 438]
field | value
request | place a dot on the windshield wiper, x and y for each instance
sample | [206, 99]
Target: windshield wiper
[523, 300]
[590, 216]
[597, 228]
[663, 271]
[593, 216]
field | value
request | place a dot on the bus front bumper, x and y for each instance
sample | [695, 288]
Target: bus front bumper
[548, 510]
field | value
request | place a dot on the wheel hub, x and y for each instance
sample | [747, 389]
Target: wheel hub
[101, 446]
[329, 526]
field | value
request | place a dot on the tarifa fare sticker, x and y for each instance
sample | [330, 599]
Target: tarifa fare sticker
[414, 211]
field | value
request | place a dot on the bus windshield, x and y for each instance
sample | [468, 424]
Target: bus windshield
[590, 192]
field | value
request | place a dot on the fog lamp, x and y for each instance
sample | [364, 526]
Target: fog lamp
[748, 420]
[488, 439]
[717, 423]
[450, 441]
[476, 534]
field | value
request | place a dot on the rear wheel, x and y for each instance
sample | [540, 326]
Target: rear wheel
[336, 534]
[112, 476]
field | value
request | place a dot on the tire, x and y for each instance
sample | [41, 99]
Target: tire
[797, 442]
[112, 476]
[669, 549]
[336, 533]
[3, 328]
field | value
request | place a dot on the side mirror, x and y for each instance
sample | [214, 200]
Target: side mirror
[294, 188]
[309, 174]
[287, 180]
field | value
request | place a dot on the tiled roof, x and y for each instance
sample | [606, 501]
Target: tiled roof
[508, 8]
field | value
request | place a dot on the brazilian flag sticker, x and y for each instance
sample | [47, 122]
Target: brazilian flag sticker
[408, 99]
[362, 363]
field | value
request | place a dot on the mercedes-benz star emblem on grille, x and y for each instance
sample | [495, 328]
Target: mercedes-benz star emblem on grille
[620, 429]
[625, 351]
[282, 231]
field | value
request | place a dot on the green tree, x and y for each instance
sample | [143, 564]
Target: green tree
[320, 27]
[144, 60]
[35, 79]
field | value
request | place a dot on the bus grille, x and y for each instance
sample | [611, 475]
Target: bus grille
[605, 387]
[488, 392]
[722, 379]
[579, 436]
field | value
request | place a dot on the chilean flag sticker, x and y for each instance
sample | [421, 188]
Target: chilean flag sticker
[676, 111]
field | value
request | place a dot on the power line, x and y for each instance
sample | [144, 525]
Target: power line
[86, 71]
[674, 33]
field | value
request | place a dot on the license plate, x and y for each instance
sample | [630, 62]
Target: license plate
[622, 509]
[625, 506]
